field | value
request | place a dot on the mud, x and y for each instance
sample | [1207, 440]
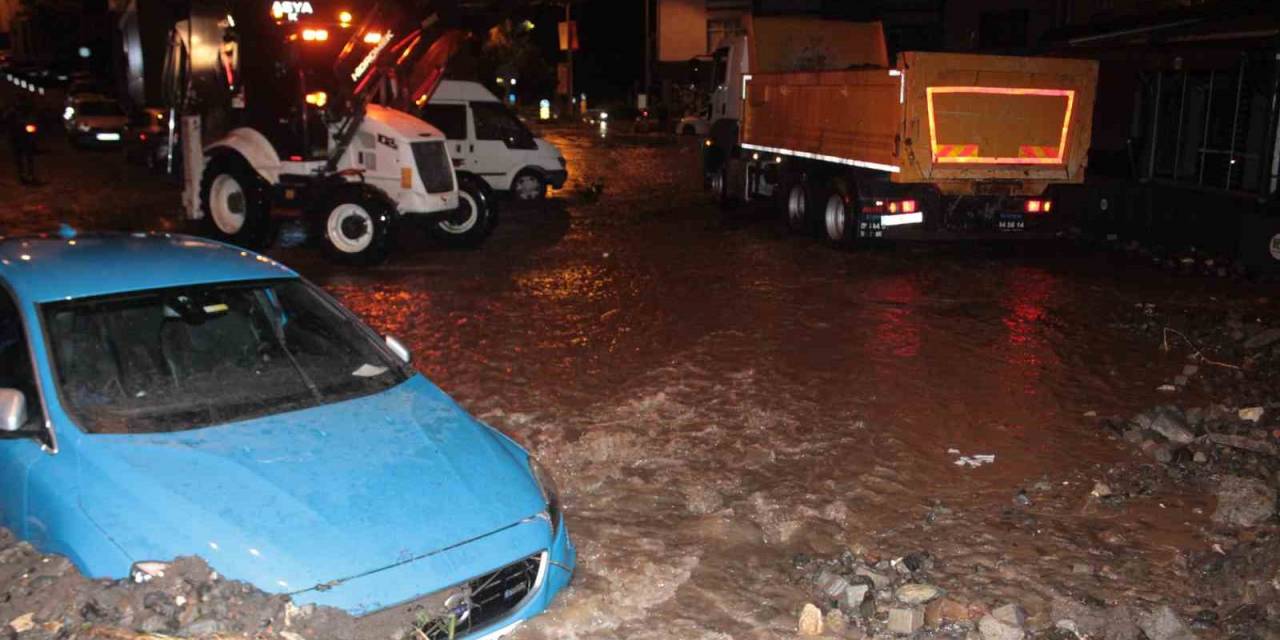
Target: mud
[718, 398]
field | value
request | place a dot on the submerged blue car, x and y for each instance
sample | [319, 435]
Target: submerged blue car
[165, 395]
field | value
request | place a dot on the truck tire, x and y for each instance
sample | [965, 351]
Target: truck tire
[797, 205]
[355, 225]
[235, 202]
[841, 216]
[474, 219]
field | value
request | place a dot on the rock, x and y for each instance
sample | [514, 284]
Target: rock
[1251, 414]
[1081, 568]
[203, 627]
[1244, 502]
[993, 628]
[23, 623]
[836, 622]
[1116, 623]
[1100, 490]
[1263, 339]
[905, 620]
[289, 635]
[917, 593]
[1181, 380]
[1168, 422]
[1162, 454]
[1190, 370]
[1011, 614]
[1200, 457]
[853, 597]
[810, 620]
[1164, 624]
[878, 580]
[154, 624]
[944, 610]
[831, 584]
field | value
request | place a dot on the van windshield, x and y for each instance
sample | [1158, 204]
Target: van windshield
[190, 357]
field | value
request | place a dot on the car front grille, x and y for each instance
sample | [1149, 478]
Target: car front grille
[433, 166]
[468, 607]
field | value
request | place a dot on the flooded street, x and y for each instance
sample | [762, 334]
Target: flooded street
[717, 396]
[722, 401]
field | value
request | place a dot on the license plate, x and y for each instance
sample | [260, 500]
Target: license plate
[901, 218]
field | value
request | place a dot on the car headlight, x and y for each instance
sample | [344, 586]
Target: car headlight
[83, 126]
[550, 493]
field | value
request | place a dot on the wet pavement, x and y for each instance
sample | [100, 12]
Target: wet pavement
[717, 396]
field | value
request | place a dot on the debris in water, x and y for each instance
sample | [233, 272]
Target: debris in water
[810, 620]
[975, 460]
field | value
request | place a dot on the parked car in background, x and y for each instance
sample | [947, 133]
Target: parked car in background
[487, 140]
[165, 395]
[693, 125]
[146, 138]
[95, 121]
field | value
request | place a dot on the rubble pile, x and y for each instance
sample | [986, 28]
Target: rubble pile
[44, 597]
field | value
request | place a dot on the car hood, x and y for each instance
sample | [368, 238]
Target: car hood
[289, 501]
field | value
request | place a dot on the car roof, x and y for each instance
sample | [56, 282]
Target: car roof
[462, 90]
[44, 269]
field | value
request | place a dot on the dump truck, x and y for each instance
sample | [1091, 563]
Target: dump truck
[811, 117]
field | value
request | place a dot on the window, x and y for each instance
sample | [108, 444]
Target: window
[188, 357]
[451, 119]
[15, 360]
[494, 122]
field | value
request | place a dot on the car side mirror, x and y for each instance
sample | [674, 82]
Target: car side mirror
[399, 349]
[13, 410]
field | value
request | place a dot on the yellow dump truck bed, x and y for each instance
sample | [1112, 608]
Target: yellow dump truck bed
[966, 123]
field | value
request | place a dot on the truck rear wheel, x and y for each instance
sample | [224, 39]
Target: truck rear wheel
[235, 202]
[356, 227]
[473, 220]
[796, 207]
[841, 216]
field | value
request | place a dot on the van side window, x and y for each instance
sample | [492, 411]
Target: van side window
[15, 359]
[494, 122]
[451, 119]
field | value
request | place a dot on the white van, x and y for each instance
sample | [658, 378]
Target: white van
[487, 140]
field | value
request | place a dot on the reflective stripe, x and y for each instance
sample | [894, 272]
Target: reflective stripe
[817, 156]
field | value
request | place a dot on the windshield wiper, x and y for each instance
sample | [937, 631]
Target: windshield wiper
[278, 332]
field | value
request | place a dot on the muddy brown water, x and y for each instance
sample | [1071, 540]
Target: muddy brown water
[716, 396]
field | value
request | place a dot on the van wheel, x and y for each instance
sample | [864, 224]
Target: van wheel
[356, 227]
[235, 203]
[473, 220]
[529, 187]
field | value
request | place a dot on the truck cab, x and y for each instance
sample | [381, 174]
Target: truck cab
[488, 141]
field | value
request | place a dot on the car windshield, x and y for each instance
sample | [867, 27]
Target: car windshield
[184, 358]
[100, 109]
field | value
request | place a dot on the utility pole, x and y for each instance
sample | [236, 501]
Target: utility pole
[568, 19]
[648, 49]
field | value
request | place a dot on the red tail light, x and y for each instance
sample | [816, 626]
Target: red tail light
[908, 206]
[30, 128]
[142, 137]
[1034, 206]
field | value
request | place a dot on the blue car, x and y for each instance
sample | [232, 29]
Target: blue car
[165, 395]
